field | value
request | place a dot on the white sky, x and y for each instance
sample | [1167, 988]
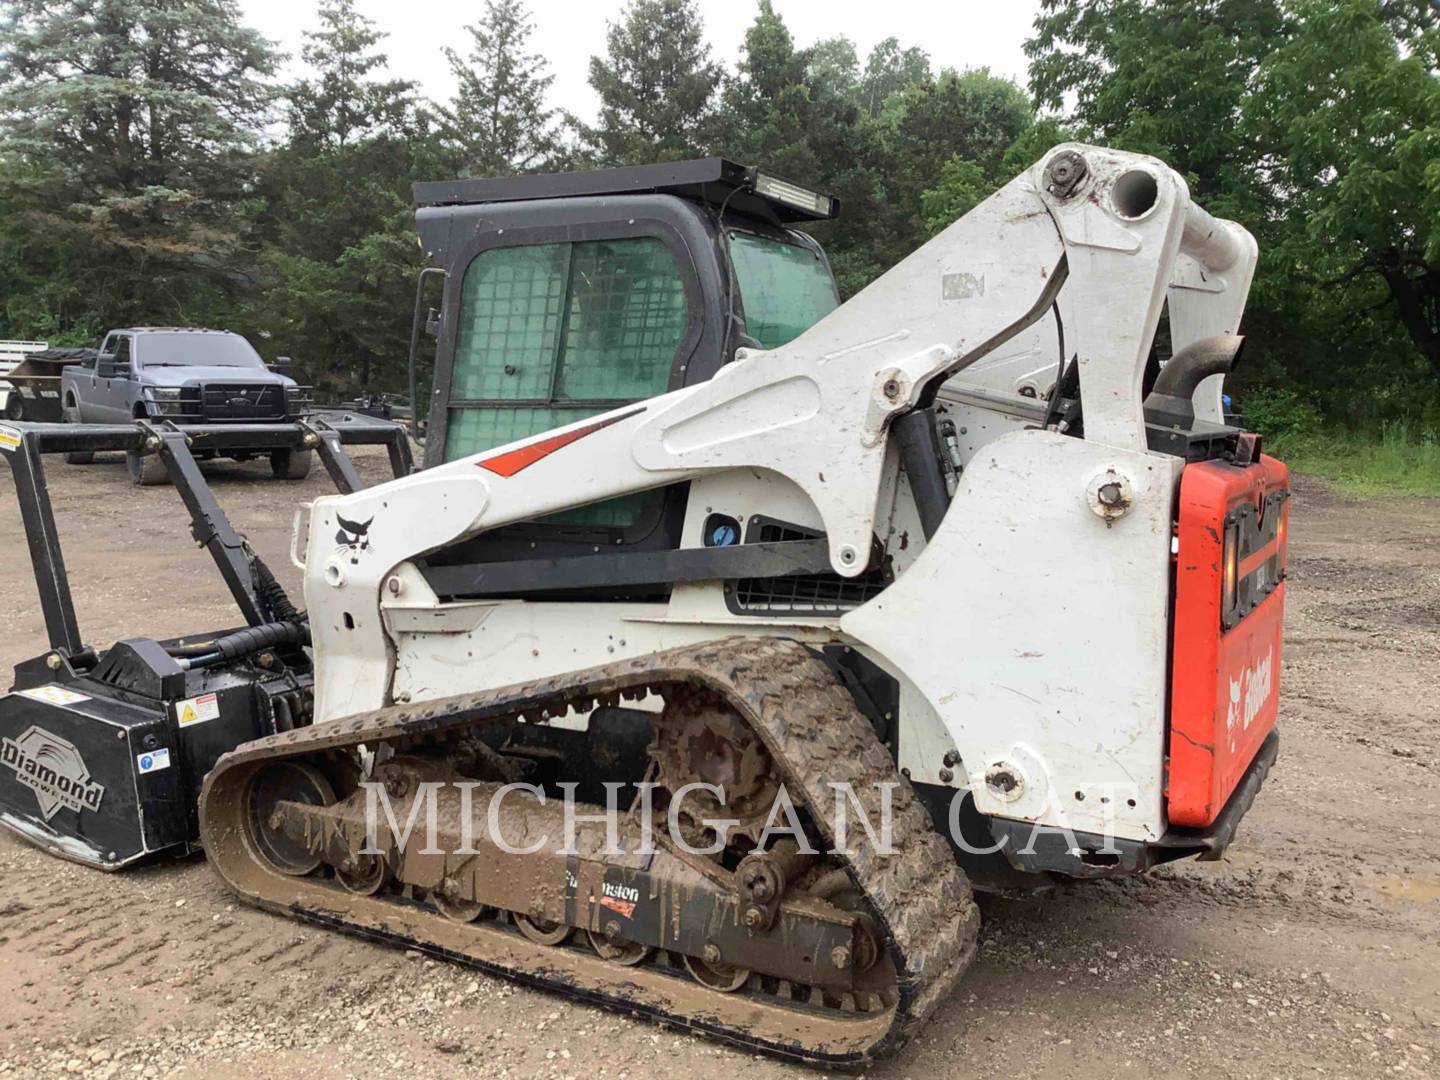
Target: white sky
[959, 34]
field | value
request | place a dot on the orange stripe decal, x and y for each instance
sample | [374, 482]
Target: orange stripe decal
[512, 461]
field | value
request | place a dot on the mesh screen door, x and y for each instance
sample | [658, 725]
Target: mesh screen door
[553, 333]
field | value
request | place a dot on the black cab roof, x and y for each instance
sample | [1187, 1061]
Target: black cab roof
[716, 181]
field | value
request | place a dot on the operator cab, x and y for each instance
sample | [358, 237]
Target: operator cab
[572, 294]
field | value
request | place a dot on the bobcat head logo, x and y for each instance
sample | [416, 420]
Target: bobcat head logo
[1249, 694]
[1232, 714]
[353, 537]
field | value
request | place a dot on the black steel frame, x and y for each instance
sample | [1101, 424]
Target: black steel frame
[326, 434]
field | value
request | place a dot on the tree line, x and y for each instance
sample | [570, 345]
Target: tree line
[154, 169]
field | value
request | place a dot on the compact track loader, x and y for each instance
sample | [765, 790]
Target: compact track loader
[824, 615]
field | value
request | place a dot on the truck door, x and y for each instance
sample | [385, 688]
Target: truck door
[113, 381]
[91, 385]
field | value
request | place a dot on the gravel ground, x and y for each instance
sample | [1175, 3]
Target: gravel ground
[1312, 949]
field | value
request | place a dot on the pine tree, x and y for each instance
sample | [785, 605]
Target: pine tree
[656, 84]
[126, 134]
[762, 114]
[333, 217]
[497, 122]
[343, 101]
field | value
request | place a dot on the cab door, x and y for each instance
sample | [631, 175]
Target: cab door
[554, 333]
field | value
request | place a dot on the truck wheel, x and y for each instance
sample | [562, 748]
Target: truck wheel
[146, 470]
[14, 406]
[71, 415]
[291, 464]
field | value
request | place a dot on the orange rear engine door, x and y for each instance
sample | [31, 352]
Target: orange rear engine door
[1229, 621]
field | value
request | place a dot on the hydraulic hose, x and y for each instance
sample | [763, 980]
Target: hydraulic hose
[272, 594]
[248, 641]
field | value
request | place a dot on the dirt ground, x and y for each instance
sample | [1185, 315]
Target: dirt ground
[1313, 949]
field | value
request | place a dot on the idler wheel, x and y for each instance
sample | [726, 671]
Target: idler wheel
[455, 908]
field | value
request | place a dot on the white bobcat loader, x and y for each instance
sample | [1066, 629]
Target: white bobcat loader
[958, 559]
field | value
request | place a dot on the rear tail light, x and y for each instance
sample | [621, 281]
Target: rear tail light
[1282, 536]
[1230, 580]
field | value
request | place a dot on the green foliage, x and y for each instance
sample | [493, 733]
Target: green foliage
[972, 115]
[877, 135]
[1280, 412]
[1315, 123]
[1401, 458]
[1348, 104]
[332, 218]
[889, 72]
[656, 84]
[1162, 77]
[497, 122]
[962, 186]
[343, 102]
[125, 132]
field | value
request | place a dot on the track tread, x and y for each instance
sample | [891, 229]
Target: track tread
[812, 728]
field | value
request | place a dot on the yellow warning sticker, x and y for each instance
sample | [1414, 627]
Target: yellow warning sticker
[9, 438]
[196, 710]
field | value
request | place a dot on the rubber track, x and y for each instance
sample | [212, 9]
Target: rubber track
[814, 730]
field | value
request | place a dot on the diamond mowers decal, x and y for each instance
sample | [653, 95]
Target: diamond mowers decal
[53, 769]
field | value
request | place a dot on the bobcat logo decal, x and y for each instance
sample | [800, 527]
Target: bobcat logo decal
[353, 537]
[1248, 695]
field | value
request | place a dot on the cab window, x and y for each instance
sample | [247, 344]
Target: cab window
[785, 288]
[550, 334]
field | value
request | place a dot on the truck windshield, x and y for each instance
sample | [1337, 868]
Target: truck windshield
[786, 288]
[196, 350]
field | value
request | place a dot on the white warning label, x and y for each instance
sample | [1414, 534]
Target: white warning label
[196, 710]
[9, 438]
[55, 695]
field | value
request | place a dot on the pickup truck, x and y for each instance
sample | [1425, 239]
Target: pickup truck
[186, 376]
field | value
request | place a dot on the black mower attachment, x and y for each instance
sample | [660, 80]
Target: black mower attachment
[102, 752]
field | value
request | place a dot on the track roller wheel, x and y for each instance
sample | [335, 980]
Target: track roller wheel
[619, 951]
[365, 876]
[717, 975]
[461, 911]
[542, 931]
[284, 781]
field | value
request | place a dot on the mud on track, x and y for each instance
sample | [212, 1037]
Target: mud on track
[1312, 950]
